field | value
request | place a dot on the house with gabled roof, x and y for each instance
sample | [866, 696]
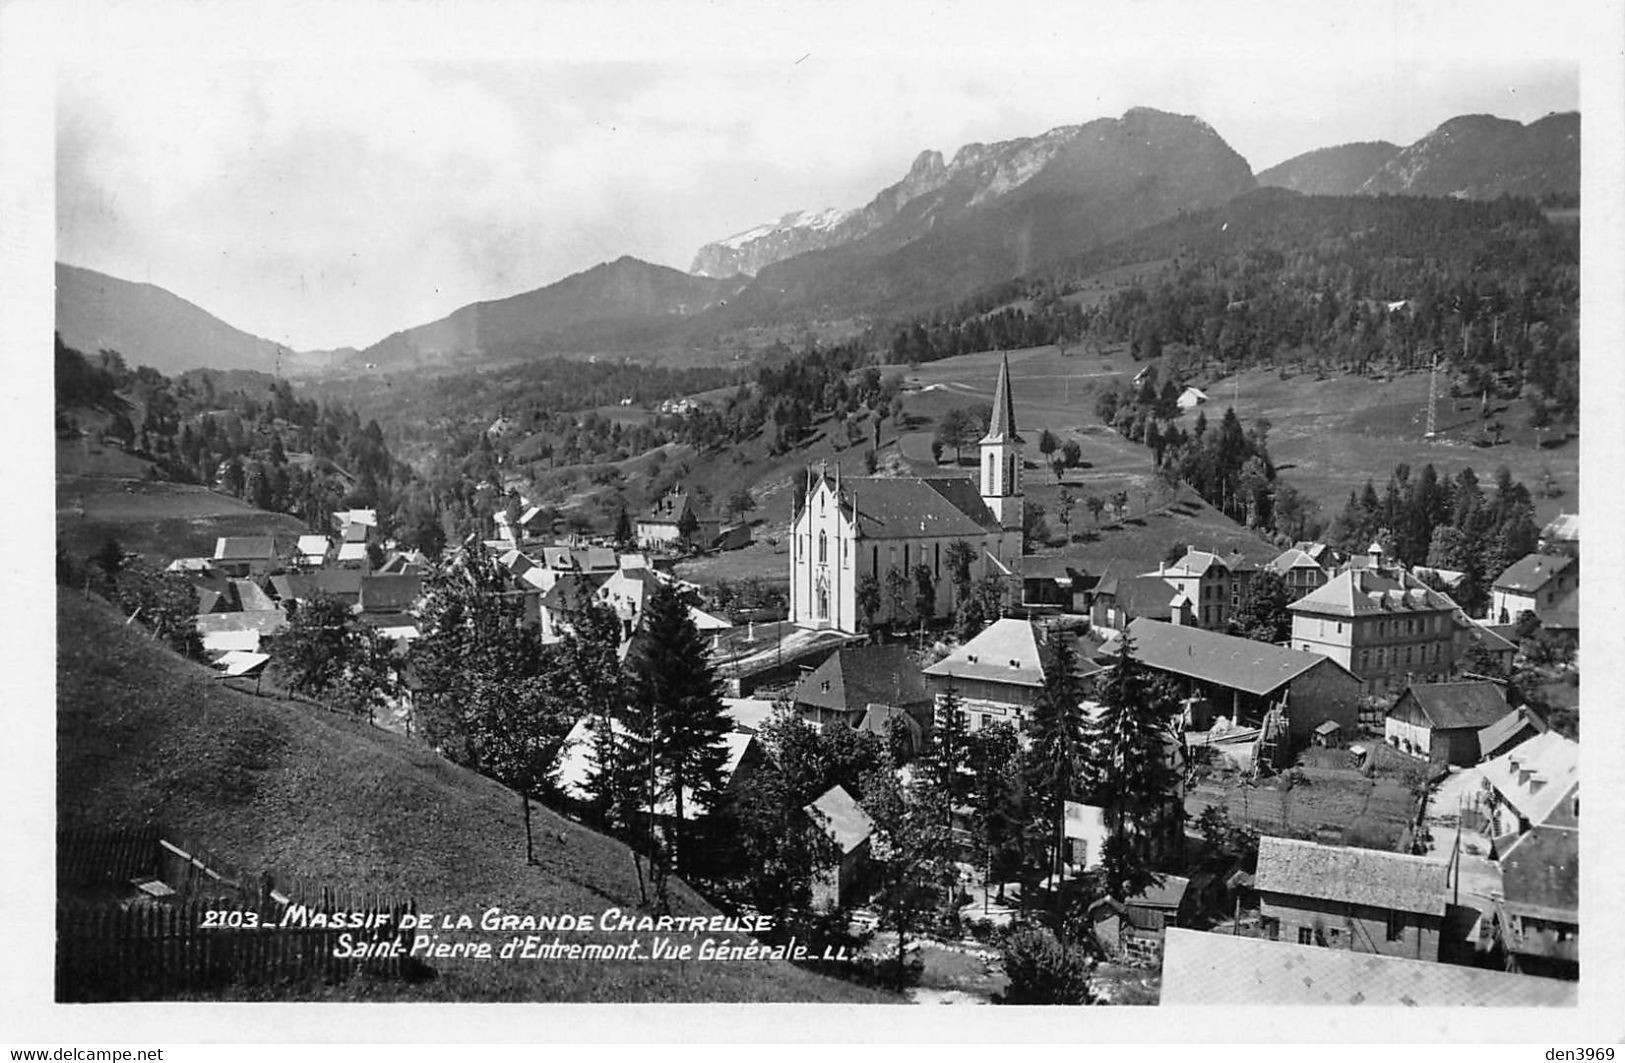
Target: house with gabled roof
[998, 675]
[1215, 584]
[341, 583]
[1299, 571]
[1537, 916]
[1534, 784]
[1245, 679]
[311, 550]
[851, 829]
[245, 555]
[1514, 729]
[1442, 721]
[390, 594]
[1533, 584]
[661, 525]
[1386, 627]
[845, 532]
[843, 687]
[1342, 897]
[1116, 601]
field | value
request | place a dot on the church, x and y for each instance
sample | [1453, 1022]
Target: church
[845, 531]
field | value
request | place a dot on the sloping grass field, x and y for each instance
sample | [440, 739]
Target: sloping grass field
[144, 735]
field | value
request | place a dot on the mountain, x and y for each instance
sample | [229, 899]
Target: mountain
[627, 298]
[1479, 156]
[1338, 171]
[150, 326]
[996, 211]
[1474, 156]
[762, 245]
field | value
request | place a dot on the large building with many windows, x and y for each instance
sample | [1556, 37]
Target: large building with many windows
[1388, 628]
[847, 532]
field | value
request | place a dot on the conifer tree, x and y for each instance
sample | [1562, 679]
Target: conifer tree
[674, 717]
[1056, 759]
[1133, 781]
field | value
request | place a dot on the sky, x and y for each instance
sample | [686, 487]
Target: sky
[328, 176]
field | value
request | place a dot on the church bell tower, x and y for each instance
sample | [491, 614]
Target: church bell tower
[1001, 456]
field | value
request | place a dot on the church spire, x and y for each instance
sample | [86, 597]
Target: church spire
[1002, 425]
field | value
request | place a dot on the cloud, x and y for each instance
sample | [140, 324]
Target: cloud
[320, 198]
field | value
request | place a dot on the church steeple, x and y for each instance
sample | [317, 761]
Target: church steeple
[1001, 455]
[1002, 426]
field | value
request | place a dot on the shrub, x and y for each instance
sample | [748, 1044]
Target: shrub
[1042, 970]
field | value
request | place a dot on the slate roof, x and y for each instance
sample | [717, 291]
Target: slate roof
[391, 593]
[670, 507]
[1151, 597]
[1496, 735]
[1205, 968]
[1540, 874]
[1548, 759]
[915, 508]
[250, 597]
[1002, 425]
[339, 582]
[1290, 559]
[1169, 893]
[1451, 706]
[1197, 562]
[264, 621]
[847, 824]
[312, 546]
[1005, 652]
[1048, 566]
[857, 676]
[1362, 592]
[1349, 875]
[245, 548]
[1255, 667]
[1532, 573]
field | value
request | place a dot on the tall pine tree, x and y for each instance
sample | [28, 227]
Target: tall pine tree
[1134, 782]
[674, 717]
[1056, 759]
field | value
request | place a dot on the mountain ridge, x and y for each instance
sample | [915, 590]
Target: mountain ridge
[150, 325]
[1471, 156]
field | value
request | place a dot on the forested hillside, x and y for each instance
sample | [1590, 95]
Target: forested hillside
[1357, 284]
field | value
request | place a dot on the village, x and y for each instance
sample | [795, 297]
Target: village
[1364, 809]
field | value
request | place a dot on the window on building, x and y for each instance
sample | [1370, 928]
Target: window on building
[1382, 628]
[1396, 925]
[874, 560]
[1365, 659]
[1306, 935]
[985, 719]
[823, 548]
[905, 558]
[1339, 630]
[939, 561]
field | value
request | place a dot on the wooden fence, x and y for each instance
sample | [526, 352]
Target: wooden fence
[151, 950]
[223, 925]
[106, 857]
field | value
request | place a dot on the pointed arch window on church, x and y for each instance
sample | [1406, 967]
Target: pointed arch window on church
[823, 548]
[987, 487]
[1009, 475]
